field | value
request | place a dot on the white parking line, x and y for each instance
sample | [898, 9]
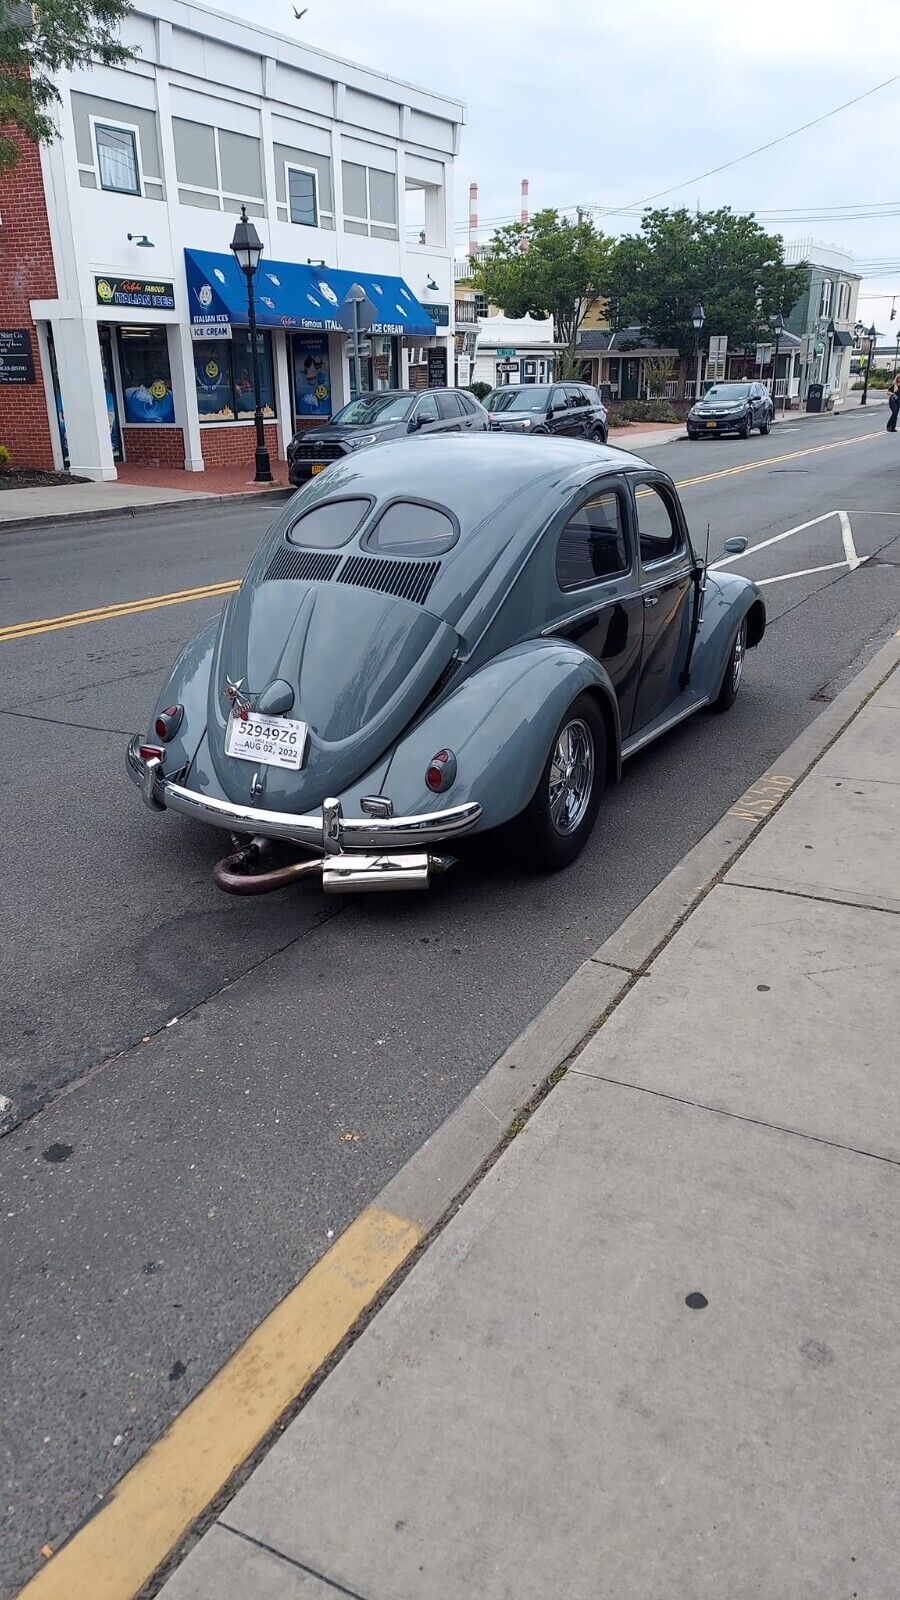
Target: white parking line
[851, 560]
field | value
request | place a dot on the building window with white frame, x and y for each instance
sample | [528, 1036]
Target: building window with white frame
[370, 201]
[825, 298]
[302, 196]
[118, 163]
[218, 169]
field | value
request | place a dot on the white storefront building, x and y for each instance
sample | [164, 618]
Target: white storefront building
[347, 175]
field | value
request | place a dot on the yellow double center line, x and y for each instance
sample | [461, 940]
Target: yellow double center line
[209, 591]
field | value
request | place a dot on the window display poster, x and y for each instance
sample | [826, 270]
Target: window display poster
[212, 368]
[312, 375]
[144, 359]
[242, 373]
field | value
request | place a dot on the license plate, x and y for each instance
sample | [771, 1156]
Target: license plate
[318, 466]
[709, 425]
[269, 741]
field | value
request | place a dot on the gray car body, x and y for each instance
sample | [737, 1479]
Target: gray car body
[486, 667]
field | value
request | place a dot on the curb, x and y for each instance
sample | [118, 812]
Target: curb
[192, 497]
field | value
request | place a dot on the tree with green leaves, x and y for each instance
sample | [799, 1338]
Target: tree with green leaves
[38, 41]
[553, 267]
[722, 259]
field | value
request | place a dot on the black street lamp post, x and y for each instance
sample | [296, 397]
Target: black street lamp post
[871, 335]
[247, 248]
[698, 317]
[897, 356]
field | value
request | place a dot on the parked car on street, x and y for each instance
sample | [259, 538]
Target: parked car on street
[382, 414]
[732, 408]
[464, 637]
[572, 409]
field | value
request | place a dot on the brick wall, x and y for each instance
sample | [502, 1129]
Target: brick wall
[234, 445]
[154, 446]
[26, 274]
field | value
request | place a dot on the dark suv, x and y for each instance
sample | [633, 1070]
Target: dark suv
[732, 408]
[382, 414]
[565, 408]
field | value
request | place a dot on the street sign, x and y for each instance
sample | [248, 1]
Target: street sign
[356, 296]
[763, 355]
[507, 366]
[440, 315]
[506, 352]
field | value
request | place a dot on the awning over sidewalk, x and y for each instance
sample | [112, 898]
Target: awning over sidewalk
[842, 340]
[289, 295]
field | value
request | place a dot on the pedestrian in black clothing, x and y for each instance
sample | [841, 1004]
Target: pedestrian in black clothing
[894, 404]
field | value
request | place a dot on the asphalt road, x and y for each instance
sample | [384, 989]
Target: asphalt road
[180, 1067]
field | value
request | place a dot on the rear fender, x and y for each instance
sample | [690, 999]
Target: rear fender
[499, 724]
[187, 686]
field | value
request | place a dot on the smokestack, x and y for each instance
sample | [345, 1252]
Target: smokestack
[523, 216]
[473, 218]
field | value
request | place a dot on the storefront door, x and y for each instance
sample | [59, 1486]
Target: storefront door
[311, 377]
[631, 376]
[109, 386]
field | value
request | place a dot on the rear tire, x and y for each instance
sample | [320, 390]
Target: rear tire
[765, 426]
[598, 435]
[557, 822]
[744, 429]
[734, 671]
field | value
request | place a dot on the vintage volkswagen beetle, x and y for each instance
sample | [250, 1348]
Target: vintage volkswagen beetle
[436, 642]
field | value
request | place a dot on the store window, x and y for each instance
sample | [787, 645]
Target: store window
[146, 378]
[312, 375]
[223, 372]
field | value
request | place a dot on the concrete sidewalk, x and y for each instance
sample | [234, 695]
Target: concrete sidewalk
[656, 1351]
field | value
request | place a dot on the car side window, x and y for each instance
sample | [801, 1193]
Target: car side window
[659, 529]
[427, 410]
[448, 405]
[558, 401]
[592, 545]
[467, 405]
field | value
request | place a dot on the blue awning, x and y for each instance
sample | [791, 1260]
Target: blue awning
[289, 295]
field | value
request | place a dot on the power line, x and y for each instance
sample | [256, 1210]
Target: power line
[638, 205]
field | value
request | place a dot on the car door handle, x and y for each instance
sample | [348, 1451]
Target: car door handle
[651, 600]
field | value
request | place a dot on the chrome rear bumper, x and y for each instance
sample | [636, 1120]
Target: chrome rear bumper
[327, 832]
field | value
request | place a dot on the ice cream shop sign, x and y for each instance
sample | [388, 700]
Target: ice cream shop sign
[136, 294]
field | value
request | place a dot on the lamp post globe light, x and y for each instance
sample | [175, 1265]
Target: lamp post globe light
[698, 317]
[871, 335]
[777, 324]
[247, 248]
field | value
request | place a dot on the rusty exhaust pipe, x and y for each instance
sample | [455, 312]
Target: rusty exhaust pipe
[234, 874]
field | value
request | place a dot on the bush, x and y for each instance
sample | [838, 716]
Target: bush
[5, 457]
[642, 411]
[479, 389]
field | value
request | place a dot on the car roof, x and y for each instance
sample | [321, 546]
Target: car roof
[376, 394]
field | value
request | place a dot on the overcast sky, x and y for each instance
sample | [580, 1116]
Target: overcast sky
[605, 104]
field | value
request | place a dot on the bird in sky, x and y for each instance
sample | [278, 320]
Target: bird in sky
[299, 14]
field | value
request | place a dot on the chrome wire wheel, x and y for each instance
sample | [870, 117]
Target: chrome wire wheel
[737, 656]
[571, 776]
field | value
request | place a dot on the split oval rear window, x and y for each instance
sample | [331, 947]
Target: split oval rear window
[330, 524]
[413, 528]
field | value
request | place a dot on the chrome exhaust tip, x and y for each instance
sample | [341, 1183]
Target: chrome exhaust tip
[359, 874]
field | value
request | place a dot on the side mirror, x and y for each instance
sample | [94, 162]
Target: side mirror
[736, 546]
[415, 423]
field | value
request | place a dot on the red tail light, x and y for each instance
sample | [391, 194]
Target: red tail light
[168, 722]
[151, 752]
[441, 771]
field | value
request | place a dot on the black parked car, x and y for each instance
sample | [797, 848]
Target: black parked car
[382, 414]
[572, 409]
[732, 408]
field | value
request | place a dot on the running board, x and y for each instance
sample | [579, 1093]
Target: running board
[687, 704]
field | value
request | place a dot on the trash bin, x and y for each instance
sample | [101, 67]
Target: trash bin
[814, 396]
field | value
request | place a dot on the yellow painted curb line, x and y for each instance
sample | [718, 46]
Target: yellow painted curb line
[114, 1554]
[129, 608]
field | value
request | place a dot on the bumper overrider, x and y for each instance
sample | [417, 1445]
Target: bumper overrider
[378, 851]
